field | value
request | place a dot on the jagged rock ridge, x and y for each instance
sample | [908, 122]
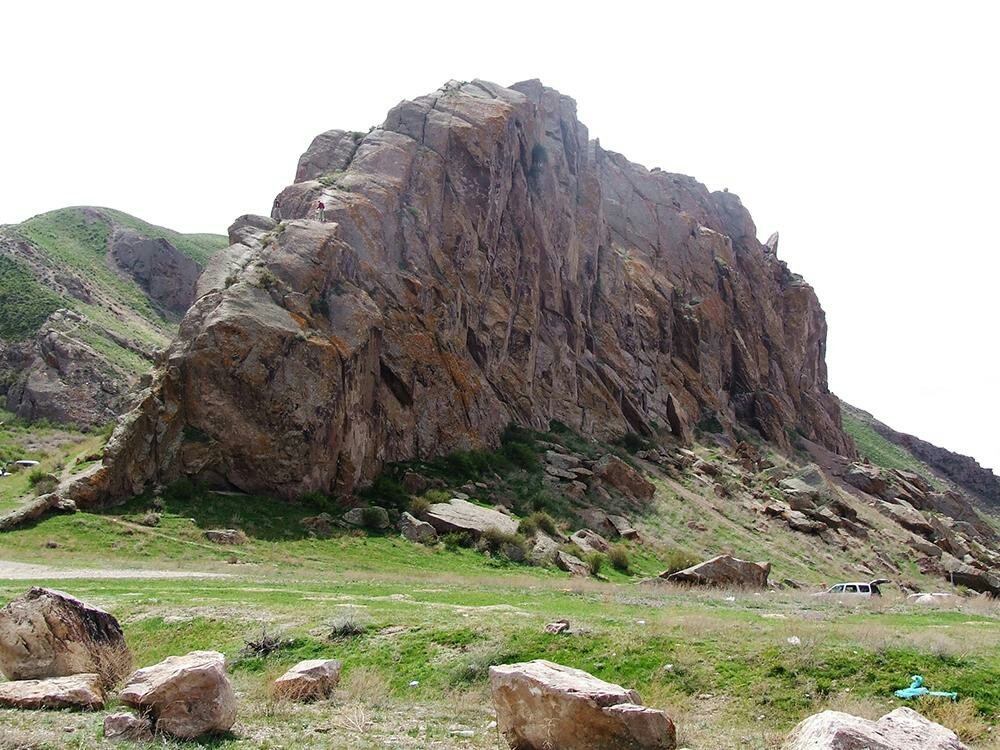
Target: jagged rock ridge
[478, 261]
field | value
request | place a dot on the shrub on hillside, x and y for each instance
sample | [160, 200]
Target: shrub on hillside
[521, 455]
[456, 539]
[679, 560]
[618, 557]
[538, 521]
[595, 562]
[387, 492]
[419, 505]
[347, 625]
[318, 501]
[495, 541]
[42, 482]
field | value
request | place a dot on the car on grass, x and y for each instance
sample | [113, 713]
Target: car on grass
[856, 588]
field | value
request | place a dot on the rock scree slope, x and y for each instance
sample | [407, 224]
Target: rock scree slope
[478, 260]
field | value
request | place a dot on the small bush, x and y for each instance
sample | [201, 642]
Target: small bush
[493, 540]
[42, 482]
[373, 518]
[387, 492]
[538, 521]
[437, 496]
[456, 539]
[347, 625]
[419, 505]
[318, 501]
[679, 560]
[595, 561]
[521, 455]
[618, 557]
[263, 645]
[180, 490]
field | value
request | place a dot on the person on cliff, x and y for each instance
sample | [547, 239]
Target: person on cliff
[320, 211]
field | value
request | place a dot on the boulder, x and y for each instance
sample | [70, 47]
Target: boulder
[187, 696]
[313, 679]
[724, 570]
[461, 515]
[562, 460]
[615, 472]
[903, 729]
[48, 633]
[128, 728]
[588, 541]
[866, 478]
[226, 536]
[414, 483]
[320, 526]
[623, 527]
[372, 517]
[543, 550]
[571, 564]
[415, 530]
[542, 705]
[908, 517]
[972, 577]
[558, 627]
[73, 691]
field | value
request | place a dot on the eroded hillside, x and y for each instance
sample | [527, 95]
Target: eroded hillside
[87, 296]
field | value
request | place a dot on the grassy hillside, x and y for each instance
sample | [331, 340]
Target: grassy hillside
[881, 451]
[24, 302]
[62, 260]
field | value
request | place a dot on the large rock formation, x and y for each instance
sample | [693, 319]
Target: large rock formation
[724, 570]
[478, 261]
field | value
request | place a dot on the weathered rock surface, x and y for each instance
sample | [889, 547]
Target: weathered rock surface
[588, 541]
[188, 696]
[374, 517]
[571, 564]
[166, 274]
[415, 530]
[624, 478]
[542, 705]
[481, 262]
[461, 515]
[903, 729]
[724, 570]
[313, 679]
[226, 536]
[73, 691]
[128, 728]
[47, 633]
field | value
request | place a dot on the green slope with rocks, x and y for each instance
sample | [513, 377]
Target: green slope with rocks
[87, 296]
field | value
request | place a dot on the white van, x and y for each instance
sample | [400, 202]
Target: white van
[855, 588]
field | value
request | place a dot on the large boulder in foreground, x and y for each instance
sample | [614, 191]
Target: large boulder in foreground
[461, 515]
[82, 691]
[313, 679]
[613, 471]
[188, 696]
[903, 729]
[48, 633]
[724, 570]
[542, 705]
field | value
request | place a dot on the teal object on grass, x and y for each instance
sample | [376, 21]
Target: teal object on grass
[917, 689]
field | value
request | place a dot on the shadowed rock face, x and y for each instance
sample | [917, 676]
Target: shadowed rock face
[164, 272]
[479, 261]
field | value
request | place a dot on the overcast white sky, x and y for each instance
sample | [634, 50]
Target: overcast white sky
[867, 133]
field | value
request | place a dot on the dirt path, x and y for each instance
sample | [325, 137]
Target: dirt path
[15, 571]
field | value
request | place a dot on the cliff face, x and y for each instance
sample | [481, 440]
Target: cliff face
[479, 261]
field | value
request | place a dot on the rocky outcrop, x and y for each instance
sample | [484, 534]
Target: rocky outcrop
[47, 633]
[964, 471]
[81, 691]
[479, 262]
[412, 528]
[724, 570]
[162, 271]
[903, 729]
[187, 696]
[308, 680]
[618, 474]
[543, 705]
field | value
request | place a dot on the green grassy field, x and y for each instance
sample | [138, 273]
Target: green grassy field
[398, 613]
